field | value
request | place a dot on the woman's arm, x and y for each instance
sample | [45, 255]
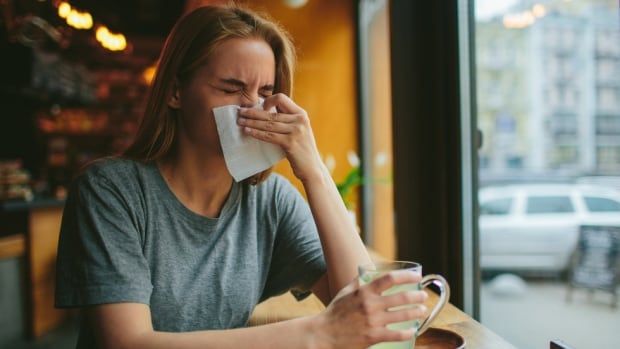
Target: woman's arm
[357, 318]
[128, 325]
[290, 129]
[342, 247]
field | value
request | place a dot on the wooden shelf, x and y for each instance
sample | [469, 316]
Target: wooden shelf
[12, 246]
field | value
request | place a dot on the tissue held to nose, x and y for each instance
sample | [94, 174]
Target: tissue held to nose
[244, 156]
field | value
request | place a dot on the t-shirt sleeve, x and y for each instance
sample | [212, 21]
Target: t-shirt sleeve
[100, 258]
[297, 261]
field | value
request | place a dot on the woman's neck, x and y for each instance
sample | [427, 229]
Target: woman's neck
[199, 180]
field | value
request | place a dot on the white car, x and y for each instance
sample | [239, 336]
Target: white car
[534, 227]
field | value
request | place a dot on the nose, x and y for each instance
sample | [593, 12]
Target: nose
[249, 100]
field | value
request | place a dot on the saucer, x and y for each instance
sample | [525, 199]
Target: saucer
[437, 338]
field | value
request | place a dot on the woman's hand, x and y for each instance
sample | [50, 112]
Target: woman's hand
[358, 316]
[289, 128]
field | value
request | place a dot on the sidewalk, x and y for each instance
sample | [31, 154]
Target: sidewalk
[540, 314]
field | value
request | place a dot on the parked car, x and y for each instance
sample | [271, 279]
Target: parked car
[535, 227]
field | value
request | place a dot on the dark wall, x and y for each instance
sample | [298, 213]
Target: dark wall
[17, 129]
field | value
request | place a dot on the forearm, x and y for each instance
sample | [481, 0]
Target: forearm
[342, 246]
[298, 333]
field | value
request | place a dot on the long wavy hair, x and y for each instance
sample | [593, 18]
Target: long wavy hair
[188, 46]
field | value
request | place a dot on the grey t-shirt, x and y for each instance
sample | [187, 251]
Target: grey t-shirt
[125, 237]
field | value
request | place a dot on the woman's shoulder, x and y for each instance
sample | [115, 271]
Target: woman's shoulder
[279, 190]
[113, 170]
[110, 166]
[276, 183]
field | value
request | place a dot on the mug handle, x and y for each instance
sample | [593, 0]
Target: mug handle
[444, 296]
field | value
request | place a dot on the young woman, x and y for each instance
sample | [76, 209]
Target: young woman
[161, 248]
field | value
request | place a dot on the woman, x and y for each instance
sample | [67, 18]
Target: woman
[162, 248]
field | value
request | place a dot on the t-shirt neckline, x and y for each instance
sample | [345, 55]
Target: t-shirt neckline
[231, 200]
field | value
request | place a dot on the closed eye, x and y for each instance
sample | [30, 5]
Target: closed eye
[230, 91]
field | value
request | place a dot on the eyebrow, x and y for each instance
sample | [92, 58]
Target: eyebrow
[240, 83]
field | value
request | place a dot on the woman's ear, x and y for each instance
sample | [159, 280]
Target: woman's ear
[175, 99]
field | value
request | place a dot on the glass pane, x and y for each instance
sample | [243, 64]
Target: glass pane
[602, 204]
[549, 204]
[548, 106]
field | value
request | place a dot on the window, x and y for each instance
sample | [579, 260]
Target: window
[606, 69]
[496, 207]
[564, 124]
[595, 204]
[549, 204]
[607, 98]
[564, 154]
[607, 42]
[563, 93]
[608, 124]
[608, 159]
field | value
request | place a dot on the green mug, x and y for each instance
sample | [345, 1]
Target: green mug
[368, 273]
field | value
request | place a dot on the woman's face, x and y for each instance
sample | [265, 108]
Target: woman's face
[238, 72]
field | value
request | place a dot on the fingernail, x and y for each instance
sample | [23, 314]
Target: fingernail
[243, 110]
[424, 295]
[241, 121]
[423, 308]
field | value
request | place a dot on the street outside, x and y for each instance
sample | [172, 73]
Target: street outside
[531, 313]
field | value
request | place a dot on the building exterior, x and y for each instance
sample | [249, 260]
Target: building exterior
[549, 90]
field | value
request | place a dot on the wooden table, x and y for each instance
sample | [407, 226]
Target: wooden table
[476, 336]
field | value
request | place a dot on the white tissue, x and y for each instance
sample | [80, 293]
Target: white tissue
[244, 155]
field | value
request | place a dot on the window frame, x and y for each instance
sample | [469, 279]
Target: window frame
[435, 158]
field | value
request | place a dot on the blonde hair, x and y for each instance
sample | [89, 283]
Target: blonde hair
[188, 46]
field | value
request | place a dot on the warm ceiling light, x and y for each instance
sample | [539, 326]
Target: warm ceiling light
[73, 18]
[519, 20]
[79, 20]
[101, 33]
[117, 42]
[87, 20]
[64, 9]
[539, 10]
[112, 42]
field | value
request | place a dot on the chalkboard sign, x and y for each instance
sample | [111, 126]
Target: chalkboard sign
[596, 259]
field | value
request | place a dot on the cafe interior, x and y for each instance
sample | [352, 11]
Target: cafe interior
[389, 90]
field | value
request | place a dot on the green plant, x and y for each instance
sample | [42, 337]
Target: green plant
[351, 181]
[354, 178]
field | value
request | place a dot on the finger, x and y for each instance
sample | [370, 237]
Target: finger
[392, 278]
[262, 125]
[283, 103]
[258, 114]
[387, 335]
[267, 136]
[402, 298]
[414, 312]
[406, 298]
